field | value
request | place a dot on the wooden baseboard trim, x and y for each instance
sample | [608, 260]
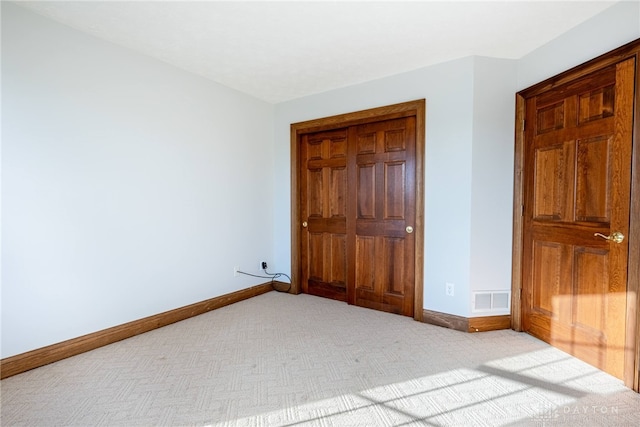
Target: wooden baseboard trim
[445, 320]
[464, 324]
[43, 356]
[489, 323]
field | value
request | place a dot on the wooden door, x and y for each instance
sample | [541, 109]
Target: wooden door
[357, 209]
[323, 205]
[382, 202]
[577, 187]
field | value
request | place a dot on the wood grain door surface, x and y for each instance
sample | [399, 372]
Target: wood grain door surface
[323, 199]
[357, 205]
[577, 182]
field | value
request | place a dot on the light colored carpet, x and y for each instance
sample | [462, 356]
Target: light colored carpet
[279, 359]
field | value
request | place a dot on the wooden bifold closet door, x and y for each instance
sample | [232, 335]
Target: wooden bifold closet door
[357, 213]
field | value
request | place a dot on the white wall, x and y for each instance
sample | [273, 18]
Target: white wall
[129, 187]
[451, 158]
[606, 31]
[492, 177]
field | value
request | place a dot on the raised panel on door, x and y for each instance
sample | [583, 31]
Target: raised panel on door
[553, 177]
[547, 276]
[577, 183]
[591, 280]
[384, 205]
[593, 174]
[323, 181]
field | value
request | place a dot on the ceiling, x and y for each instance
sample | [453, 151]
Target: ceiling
[277, 51]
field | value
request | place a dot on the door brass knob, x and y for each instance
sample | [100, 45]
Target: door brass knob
[304, 224]
[616, 236]
[409, 229]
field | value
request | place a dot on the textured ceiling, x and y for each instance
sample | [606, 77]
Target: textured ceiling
[278, 51]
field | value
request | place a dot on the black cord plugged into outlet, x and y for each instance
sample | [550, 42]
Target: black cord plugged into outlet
[272, 276]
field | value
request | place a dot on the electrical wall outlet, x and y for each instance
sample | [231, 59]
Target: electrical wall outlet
[235, 271]
[263, 265]
[449, 289]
